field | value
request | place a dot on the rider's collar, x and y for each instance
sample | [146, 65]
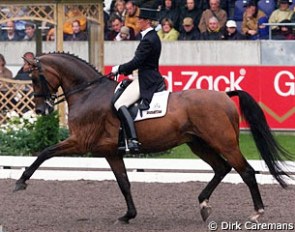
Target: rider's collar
[143, 33]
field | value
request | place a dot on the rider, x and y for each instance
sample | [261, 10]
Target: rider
[146, 60]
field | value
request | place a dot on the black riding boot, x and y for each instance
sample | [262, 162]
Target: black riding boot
[128, 123]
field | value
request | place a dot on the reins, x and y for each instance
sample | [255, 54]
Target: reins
[82, 87]
[52, 97]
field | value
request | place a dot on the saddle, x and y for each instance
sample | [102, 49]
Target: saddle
[138, 108]
[138, 111]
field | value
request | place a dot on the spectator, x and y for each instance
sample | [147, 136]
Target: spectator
[191, 10]
[131, 19]
[124, 34]
[170, 11]
[15, 11]
[50, 35]
[30, 32]
[23, 73]
[78, 34]
[231, 32]
[74, 13]
[200, 4]
[214, 11]
[250, 20]
[119, 10]
[189, 31]
[116, 23]
[283, 12]
[168, 32]
[213, 31]
[11, 34]
[285, 32]
[4, 71]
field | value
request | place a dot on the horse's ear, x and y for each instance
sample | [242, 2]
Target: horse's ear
[30, 61]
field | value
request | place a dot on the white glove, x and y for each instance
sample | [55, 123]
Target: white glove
[115, 69]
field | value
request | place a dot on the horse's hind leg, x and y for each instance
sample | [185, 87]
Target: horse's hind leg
[62, 148]
[118, 167]
[220, 167]
[248, 176]
[235, 158]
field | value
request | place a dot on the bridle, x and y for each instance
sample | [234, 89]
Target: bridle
[45, 93]
[49, 97]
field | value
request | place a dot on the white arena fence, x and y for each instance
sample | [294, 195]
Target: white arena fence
[139, 170]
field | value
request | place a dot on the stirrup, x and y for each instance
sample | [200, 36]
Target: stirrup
[134, 146]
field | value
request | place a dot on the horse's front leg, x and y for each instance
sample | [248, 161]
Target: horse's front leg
[65, 147]
[118, 167]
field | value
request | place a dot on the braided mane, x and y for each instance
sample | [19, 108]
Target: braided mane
[75, 56]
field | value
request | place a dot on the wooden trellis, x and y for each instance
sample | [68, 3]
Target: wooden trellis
[53, 12]
[15, 96]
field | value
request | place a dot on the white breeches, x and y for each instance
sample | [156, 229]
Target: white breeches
[129, 96]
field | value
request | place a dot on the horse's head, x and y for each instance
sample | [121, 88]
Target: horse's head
[44, 88]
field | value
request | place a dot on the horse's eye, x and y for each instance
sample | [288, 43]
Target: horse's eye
[35, 81]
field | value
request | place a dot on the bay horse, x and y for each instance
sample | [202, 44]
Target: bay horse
[207, 121]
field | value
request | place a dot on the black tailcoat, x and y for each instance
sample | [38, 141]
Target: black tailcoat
[146, 60]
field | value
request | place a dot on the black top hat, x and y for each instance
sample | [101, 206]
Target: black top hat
[146, 13]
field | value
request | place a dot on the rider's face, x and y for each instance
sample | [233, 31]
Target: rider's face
[143, 23]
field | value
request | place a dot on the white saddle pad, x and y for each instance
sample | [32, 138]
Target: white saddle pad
[158, 107]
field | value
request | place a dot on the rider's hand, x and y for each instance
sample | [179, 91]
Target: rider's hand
[115, 69]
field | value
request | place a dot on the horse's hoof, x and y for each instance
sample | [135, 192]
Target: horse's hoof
[122, 220]
[206, 210]
[256, 215]
[20, 186]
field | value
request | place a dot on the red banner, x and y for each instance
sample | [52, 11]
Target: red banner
[273, 87]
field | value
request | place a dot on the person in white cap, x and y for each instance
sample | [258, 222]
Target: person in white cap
[124, 34]
[231, 32]
[146, 60]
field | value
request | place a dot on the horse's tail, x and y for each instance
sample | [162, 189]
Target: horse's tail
[271, 152]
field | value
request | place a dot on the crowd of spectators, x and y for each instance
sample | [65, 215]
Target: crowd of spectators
[74, 28]
[202, 19]
[22, 74]
[177, 20]
[8, 32]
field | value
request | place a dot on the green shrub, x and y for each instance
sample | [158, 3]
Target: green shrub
[30, 134]
[46, 131]
[16, 143]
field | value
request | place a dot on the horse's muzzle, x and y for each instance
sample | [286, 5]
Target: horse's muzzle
[44, 109]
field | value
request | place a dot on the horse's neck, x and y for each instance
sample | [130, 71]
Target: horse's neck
[80, 76]
[71, 80]
[100, 88]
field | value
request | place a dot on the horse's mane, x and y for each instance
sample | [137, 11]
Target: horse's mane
[76, 57]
